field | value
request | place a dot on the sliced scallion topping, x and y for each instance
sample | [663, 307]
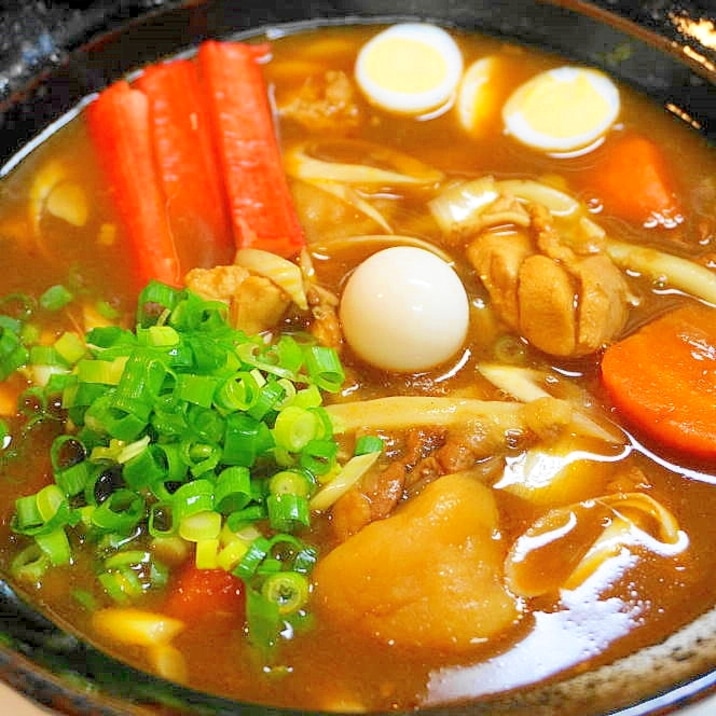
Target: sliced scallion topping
[182, 429]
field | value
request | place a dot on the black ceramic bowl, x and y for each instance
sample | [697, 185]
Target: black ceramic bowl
[53, 54]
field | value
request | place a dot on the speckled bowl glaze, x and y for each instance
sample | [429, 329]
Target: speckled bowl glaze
[51, 57]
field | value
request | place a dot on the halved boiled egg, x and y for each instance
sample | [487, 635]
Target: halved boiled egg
[404, 309]
[410, 68]
[563, 109]
[479, 94]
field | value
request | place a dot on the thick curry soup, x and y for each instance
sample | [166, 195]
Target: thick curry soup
[355, 369]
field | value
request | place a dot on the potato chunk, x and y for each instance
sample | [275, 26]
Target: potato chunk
[430, 576]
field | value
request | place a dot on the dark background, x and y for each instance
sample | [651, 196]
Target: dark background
[38, 36]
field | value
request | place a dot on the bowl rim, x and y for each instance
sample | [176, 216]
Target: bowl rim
[22, 662]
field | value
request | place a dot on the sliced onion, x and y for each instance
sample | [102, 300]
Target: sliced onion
[349, 475]
[402, 169]
[535, 192]
[677, 272]
[461, 207]
[284, 273]
[350, 242]
[348, 195]
[456, 208]
[523, 384]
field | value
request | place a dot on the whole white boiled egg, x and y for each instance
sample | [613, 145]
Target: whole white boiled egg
[563, 109]
[410, 68]
[404, 309]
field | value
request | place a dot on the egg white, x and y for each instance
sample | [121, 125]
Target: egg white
[563, 109]
[405, 310]
[410, 68]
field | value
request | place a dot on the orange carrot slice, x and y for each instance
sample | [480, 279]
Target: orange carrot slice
[200, 593]
[632, 180]
[663, 380]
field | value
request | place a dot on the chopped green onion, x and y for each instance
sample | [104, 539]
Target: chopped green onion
[238, 392]
[197, 389]
[192, 497]
[73, 480]
[233, 489]
[159, 336]
[263, 619]
[324, 367]
[286, 512]
[5, 434]
[121, 585]
[56, 546]
[120, 512]
[295, 427]
[85, 599]
[43, 512]
[319, 456]
[287, 590]
[46, 356]
[127, 559]
[207, 553]
[200, 526]
[106, 372]
[106, 310]
[268, 398]
[246, 439]
[55, 298]
[13, 353]
[247, 515]
[30, 565]
[184, 429]
[145, 468]
[70, 347]
[255, 554]
[104, 419]
[290, 482]
[140, 384]
[309, 397]
[367, 444]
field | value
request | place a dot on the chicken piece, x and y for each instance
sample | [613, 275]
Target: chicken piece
[380, 491]
[497, 259]
[559, 290]
[603, 305]
[428, 577]
[546, 299]
[325, 104]
[350, 514]
[326, 326]
[323, 304]
[219, 283]
[258, 305]
[255, 303]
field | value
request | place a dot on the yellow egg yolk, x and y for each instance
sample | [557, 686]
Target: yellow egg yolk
[410, 68]
[403, 64]
[563, 109]
[550, 105]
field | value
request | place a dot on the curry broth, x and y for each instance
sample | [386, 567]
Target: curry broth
[323, 666]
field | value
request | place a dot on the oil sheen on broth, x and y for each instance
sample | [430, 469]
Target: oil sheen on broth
[511, 507]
